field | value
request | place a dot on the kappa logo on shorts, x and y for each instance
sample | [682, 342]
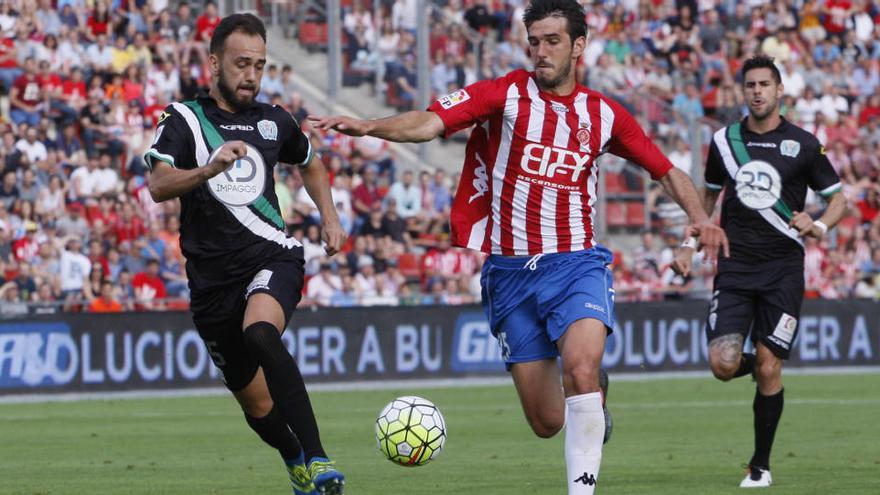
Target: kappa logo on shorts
[259, 282]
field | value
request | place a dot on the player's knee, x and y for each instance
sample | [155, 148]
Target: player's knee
[768, 370]
[257, 407]
[260, 335]
[723, 370]
[546, 426]
[584, 377]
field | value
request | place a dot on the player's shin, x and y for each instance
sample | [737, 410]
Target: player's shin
[274, 431]
[286, 385]
[584, 432]
[768, 410]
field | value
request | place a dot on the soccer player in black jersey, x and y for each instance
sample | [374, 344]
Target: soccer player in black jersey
[764, 165]
[216, 153]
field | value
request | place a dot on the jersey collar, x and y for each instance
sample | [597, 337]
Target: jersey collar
[782, 127]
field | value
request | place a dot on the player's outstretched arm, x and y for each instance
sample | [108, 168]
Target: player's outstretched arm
[683, 260]
[712, 238]
[318, 186]
[167, 182]
[409, 127]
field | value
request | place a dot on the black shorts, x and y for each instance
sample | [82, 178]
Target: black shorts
[764, 300]
[218, 314]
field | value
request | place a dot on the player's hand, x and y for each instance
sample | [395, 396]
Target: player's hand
[804, 225]
[712, 239]
[334, 237]
[345, 125]
[683, 261]
[229, 153]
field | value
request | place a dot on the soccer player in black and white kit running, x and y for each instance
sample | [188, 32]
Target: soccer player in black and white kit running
[216, 153]
[764, 164]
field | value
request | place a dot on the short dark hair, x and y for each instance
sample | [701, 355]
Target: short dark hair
[569, 9]
[242, 23]
[761, 62]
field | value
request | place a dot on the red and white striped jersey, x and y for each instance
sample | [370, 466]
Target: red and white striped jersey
[528, 185]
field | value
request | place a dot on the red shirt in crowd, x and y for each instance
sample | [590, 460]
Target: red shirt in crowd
[7, 46]
[205, 27]
[25, 249]
[50, 82]
[97, 27]
[74, 90]
[129, 230]
[148, 287]
[28, 89]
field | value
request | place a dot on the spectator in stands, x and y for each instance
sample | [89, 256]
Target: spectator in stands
[25, 97]
[407, 82]
[407, 195]
[366, 196]
[75, 268]
[11, 303]
[107, 301]
[324, 285]
[8, 189]
[149, 289]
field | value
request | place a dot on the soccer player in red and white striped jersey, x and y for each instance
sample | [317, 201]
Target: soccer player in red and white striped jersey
[527, 197]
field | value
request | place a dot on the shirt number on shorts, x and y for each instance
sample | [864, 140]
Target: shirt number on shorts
[215, 354]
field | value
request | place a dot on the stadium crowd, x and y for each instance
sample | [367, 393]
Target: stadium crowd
[83, 87]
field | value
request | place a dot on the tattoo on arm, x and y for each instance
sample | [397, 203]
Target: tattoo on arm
[728, 348]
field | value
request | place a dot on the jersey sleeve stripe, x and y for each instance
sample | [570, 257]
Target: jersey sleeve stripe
[152, 154]
[305, 163]
[828, 191]
[714, 187]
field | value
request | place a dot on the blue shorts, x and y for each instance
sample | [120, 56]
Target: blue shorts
[531, 302]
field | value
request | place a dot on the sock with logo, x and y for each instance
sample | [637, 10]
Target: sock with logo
[286, 385]
[584, 432]
[768, 410]
[746, 365]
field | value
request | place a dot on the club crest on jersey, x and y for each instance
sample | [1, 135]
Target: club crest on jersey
[454, 98]
[790, 148]
[583, 135]
[268, 129]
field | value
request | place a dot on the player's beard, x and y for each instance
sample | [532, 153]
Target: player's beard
[547, 84]
[229, 94]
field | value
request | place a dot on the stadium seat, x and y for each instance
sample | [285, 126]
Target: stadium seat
[410, 266]
[615, 214]
[614, 183]
[635, 214]
[313, 35]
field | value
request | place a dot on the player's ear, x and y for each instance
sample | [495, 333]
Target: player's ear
[214, 62]
[580, 45]
[780, 90]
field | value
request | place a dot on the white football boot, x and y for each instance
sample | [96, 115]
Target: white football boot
[756, 478]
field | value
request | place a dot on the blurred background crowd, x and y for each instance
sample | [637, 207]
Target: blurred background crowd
[84, 81]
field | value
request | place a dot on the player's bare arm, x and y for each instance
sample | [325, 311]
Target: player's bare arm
[806, 226]
[683, 260]
[409, 127]
[318, 186]
[167, 182]
[712, 238]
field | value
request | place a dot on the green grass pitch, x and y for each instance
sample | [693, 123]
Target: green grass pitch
[685, 436]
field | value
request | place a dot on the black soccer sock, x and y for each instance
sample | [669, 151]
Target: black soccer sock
[274, 431]
[285, 385]
[768, 410]
[746, 365]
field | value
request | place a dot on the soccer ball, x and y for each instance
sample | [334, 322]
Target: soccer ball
[410, 431]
